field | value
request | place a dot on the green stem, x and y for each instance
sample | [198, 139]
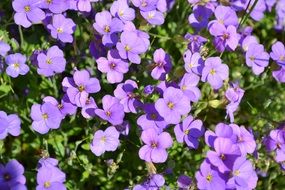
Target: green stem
[21, 37]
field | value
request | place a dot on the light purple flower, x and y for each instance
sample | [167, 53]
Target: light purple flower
[16, 65]
[45, 117]
[62, 28]
[108, 27]
[51, 62]
[173, 105]
[88, 110]
[103, 141]
[85, 5]
[153, 17]
[188, 85]
[189, 131]
[215, 72]
[257, 58]
[156, 145]
[121, 9]
[279, 75]
[80, 86]
[278, 53]
[55, 6]
[162, 64]
[225, 15]
[4, 48]
[9, 124]
[27, 12]
[113, 66]
[12, 176]
[195, 42]
[193, 62]
[50, 178]
[113, 110]
[247, 41]
[145, 5]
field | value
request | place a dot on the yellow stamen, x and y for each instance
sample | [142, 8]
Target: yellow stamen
[27, 8]
[170, 105]
[212, 71]
[47, 184]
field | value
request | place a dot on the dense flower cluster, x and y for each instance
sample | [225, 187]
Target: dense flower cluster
[161, 109]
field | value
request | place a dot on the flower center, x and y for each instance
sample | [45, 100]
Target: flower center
[108, 113]
[107, 29]
[127, 48]
[170, 105]
[16, 65]
[81, 88]
[220, 21]
[236, 172]
[184, 87]
[47, 184]
[49, 1]
[186, 132]
[150, 15]
[60, 106]
[144, 4]
[252, 58]
[103, 139]
[27, 8]
[7, 177]
[226, 36]
[212, 71]
[45, 116]
[59, 30]
[48, 61]
[121, 12]
[153, 116]
[223, 157]
[112, 65]
[153, 145]
[191, 65]
[282, 58]
[240, 139]
[209, 177]
[88, 101]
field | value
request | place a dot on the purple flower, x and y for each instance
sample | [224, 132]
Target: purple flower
[124, 128]
[124, 92]
[193, 62]
[247, 41]
[162, 64]
[62, 28]
[131, 46]
[225, 16]
[12, 176]
[257, 58]
[154, 181]
[113, 110]
[241, 173]
[184, 182]
[145, 5]
[27, 12]
[209, 178]
[154, 150]
[195, 42]
[258, 12]
[276, 142]
[85, 5]
[279, 75]
[153, 17]
[278, 53]
[151, 119]
[199, 18]
[50, 178]
[215, 72]
[55, 6]
[80, 86]
[47, 162]
[88, 110]
[121, 9]
[114, 66]
[9, 124]
[16, 65]
[173, 105]
[225, 37]
[45, 117]
[65, 106]
[4, 48]
[189, 131]
[103, 141]
[108, 27]
[52, 62]
[224, 155]
[188, 85]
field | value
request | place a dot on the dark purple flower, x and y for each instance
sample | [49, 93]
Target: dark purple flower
[200, 17]
[16, 65]
[224, 155]
[50, 178]
[124, 128]
[12, 176]
[162, 64]
[195, 42]
[62, 28]
[151, 119]
[188, 85]
[278, 53]
[108, 27]
[209, 178]
[51, 62]
[173, 105]
[215, 72]
[113, 110]
[80, 86]
[9, 124]
[184, 182]
[45, 117]
[156, 145]
[113, 66]
[121, 9]
[189, 132]
[257, 58]
[125, 93]
[27, 12]
[103, 141]
[88, 110]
